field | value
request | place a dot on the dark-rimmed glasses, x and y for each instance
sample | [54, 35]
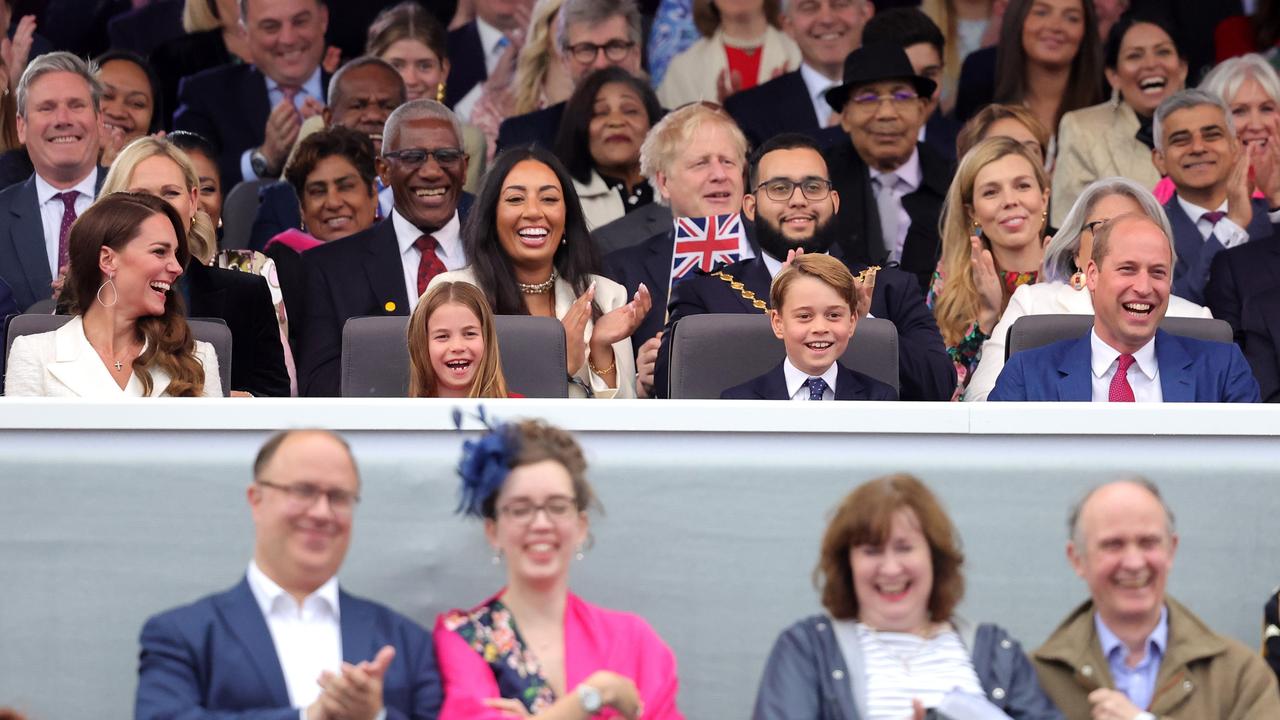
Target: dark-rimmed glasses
[304, 495]
[614, 51]
[558, 508]
[781, 189]
[413, 157]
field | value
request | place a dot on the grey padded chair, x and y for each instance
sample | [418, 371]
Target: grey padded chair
[238, 210]
[211, 330]
[1033, 331]
[375, 356]
[713, 352]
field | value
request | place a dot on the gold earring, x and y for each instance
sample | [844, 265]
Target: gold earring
[440, 92]
[1077, 281]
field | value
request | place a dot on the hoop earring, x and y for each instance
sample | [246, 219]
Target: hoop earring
[115, 295]
[440, 92]
[1077, 281]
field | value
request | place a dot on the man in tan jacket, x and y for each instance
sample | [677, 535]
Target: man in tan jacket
[1131, 652]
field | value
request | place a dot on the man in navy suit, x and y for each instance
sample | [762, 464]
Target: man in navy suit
[826, 32]
[804, 220]
[287, 641]
[58, 105]
[383, 270]
[591, 34]
[252, 113]
[1126, 357]
[1212, 209]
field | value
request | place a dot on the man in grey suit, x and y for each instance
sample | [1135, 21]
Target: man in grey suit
[58, 104]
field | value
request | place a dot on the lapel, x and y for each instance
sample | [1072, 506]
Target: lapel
[1186, 238]
[793, 93]
[243, 619]
[772, 385]
[26, 232]
[1128, 155]
[102, 177]
[207, 300]
[385, 271]
[252, 92]
[657, 265]
[859, 219]
[1177, 380]
[75, 363]
[357, 620]
[1074, 381]
[922, 248]
[848, 385]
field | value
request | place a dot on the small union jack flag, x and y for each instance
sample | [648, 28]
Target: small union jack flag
[706, 243]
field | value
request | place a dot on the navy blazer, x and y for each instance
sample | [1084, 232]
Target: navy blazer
[243, 301]
[1190, 371]
[535, 128]
[1196, 255]
[146, 28]
[924, 368]
[756, 112]
[1260, 328]
[1237, 274]
[633, 228]
[204, 103]
[976, 87]
[24, 261]
[850, 385]
[861, 236]
[216, 655]
[466, 63]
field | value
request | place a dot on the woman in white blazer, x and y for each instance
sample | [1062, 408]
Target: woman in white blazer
[1061, 289]
[128, 337]
[531, 254]
[742, 27]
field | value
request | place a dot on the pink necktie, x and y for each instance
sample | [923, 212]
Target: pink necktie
[1120, 389]
[1213, 217]
[68, 199]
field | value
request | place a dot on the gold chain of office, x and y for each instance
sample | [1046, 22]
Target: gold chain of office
[761, 305]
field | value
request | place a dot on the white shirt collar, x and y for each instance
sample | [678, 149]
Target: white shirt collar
[796, 378]
[908, 172]
[1194, 211]
[87, 186]
[448, 240]
[1103, 356]
[312, 86]
[817, 84]
[272, 598]
[490, 37]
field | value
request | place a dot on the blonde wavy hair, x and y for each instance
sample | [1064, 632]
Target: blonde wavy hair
[957, 304]
[536, 56]
[200, 15]
[202, 238]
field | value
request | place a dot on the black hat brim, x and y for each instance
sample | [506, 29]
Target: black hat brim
[839, 95]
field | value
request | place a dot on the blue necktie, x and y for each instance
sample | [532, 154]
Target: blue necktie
[816, 386]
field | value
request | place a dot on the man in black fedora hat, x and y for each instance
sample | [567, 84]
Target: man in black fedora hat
[891, 187]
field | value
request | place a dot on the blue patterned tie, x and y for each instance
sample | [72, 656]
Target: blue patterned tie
[816, 386]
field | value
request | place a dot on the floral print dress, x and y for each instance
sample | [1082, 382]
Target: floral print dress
[968, 352]
[491, 631]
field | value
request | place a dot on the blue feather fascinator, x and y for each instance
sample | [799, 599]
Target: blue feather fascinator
[485, 463]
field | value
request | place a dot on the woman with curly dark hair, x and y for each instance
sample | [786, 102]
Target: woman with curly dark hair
[129, 337]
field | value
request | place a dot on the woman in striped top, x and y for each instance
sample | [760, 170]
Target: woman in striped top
[889, 645]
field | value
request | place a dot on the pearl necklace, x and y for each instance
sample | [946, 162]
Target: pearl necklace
[541, 288]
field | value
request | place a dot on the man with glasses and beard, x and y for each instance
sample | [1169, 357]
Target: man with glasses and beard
[792, 205]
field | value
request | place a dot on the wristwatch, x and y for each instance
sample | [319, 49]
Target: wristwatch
[261, 166]
[590, 699]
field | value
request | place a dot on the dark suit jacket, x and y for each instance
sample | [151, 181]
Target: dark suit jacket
[24, 262]
[277, 211]
[242, 300]
[1260, 330]
[861, 237]
[229, 106]
[633, 228]
[1190, 371]
[757, 111]
[925, 370]
[183, 56]
[1238, 274]
[850, 385]
[977, 85]
[1195, 255]
[940, 135]
[144, 29]
[216, 655]
[8, 308]
[536, 128]
[466, 63]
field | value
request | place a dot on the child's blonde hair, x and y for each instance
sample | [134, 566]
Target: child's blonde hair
[489, 381]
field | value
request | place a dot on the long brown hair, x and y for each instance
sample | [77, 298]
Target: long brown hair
[1084, 88]
[114, 221]
[489, 381]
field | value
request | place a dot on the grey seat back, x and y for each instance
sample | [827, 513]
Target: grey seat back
[713, 352]
[375, 356]
[238, 211]
[1033, 331]
[211, 330]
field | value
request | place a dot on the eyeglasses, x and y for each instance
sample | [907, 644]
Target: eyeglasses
[302, 496]
[869, 102]
[781, 189]
[614, 51]
[1092, 227]
[413, 157]
[557, 507]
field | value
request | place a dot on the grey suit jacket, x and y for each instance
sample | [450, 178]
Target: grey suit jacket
[24, 262]
[633, 228]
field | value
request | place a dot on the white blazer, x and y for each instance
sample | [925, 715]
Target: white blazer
[62, 363]
[1049, 298]
[609, 295]
[692, 75]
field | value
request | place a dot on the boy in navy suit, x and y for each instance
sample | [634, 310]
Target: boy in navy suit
[815, 310]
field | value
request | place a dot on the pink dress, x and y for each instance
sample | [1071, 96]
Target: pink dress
[481, 655]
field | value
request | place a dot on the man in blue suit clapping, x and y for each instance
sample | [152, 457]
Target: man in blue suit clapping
[286, 642]
[1126, 357]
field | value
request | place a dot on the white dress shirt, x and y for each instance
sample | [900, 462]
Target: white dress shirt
[818, 84]
[1143, 375]
[493, 42]
[313, 87]
[307, 637]
[448, 249]
[51, 211]
[909, 179]
[796, 379]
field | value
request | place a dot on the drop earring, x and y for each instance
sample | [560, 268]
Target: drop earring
[440, 92]
[581, 553]
[115, 296]
[497, 556]
[1077, 280]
